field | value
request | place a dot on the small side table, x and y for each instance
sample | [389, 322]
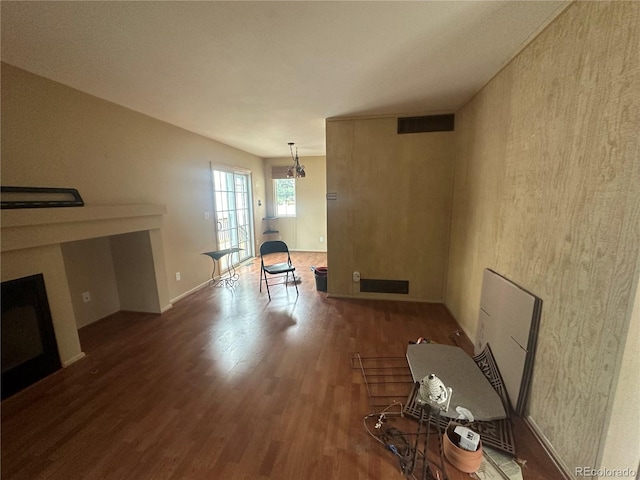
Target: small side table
[231, 278]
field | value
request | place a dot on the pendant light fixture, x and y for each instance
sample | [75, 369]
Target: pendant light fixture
[296, 170]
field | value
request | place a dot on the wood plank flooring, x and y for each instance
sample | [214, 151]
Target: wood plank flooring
[226, 385]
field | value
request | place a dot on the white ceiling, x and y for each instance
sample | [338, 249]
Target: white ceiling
[256, 75]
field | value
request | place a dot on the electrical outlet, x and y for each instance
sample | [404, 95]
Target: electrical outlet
[356, 276]
[86, 297]
[178, 276]
[206, 215]
[321, 239]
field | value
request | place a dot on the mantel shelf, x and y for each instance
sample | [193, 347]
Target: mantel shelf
[46, 216]
[34, 227]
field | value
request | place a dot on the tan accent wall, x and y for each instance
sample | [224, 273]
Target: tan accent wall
[53, 135]
[134, 272]
[89, 267]
[546, 192]
[118, 271]
[391, 216]
[303, 231]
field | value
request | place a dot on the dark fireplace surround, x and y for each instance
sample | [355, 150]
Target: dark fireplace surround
[29, 347]
[31, 242]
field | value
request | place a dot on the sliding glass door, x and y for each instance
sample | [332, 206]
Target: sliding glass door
[233, 214]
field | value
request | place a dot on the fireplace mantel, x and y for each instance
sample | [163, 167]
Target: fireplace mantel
[28, 228]
[32, 242]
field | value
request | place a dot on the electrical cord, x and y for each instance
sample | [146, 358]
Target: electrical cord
[394, 440]
[381, 418]
[397, 442]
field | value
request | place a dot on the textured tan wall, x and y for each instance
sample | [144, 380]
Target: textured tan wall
[391, 217]
[303, 231]
[53, 135]
[546, 192]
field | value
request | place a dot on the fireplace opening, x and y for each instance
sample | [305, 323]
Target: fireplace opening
[29, 348]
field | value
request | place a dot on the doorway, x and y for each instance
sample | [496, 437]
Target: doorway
[233, 214]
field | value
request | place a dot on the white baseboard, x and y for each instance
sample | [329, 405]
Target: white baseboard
[168, 307]
[546, 444]
[189, 292]
[471, 338]
[73, 359]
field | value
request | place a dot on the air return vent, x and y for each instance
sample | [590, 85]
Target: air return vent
[384, 286]
[428, 123]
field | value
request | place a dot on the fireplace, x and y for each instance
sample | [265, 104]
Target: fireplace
[32, 242]
[29, 347]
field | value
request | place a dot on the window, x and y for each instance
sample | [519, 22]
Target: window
[284, 192]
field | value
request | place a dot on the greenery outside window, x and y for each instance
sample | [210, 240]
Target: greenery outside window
[284, 192]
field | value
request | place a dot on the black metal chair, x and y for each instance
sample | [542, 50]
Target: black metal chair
[279, 270]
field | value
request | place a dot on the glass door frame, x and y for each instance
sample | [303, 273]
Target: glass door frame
[248, 251]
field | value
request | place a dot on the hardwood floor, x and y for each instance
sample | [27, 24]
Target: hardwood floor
[226, 385]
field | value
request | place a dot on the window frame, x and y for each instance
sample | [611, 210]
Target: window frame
[276, 211]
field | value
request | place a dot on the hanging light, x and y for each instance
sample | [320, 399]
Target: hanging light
[296, 170]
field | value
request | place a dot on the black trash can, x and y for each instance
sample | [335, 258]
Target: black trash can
[321, 278]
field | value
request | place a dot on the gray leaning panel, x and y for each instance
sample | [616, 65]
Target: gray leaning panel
[508, 321]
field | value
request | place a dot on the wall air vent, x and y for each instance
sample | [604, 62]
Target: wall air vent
[427, 123]
[384, 286]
